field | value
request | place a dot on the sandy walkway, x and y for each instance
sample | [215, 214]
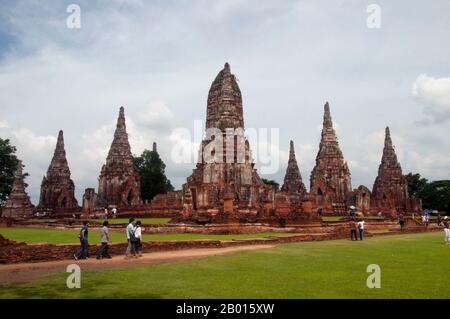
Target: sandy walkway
[21, 273]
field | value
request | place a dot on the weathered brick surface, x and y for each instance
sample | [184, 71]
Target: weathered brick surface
[119, 180]
[57, 188]
[18, 203]
[330, 177]
[390, 190]
[224, 185]
[293, 183]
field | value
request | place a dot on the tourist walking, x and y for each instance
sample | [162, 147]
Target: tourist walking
[361, 229]
[131, 252]
[83, 252]
[104, 240]
[401, 221]
[446, 223]
[353, 228]
[138, 235]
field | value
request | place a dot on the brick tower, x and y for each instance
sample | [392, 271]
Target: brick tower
[57, 189]
[119, 181]
[224, 183]
[18, 203]
[293, 183]
[330, 178]
[390, 188]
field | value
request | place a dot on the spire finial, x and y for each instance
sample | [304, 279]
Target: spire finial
[60, 141]
[327, 121]
[387, 138]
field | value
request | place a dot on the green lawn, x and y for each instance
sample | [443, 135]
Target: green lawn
[338, 218]
[412, 266]
[148, 221]
[55, 236]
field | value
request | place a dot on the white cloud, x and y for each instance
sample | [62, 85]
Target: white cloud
[434, 94]
[34, 150]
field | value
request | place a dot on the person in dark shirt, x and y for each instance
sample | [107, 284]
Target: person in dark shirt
[83, 252]
[401, 221]
[353, 229]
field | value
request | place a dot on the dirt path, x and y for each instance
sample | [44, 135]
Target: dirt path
[27, 272]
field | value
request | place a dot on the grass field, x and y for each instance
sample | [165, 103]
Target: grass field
[412, 266]
[55, 236]
[148, 221]
[338, 218]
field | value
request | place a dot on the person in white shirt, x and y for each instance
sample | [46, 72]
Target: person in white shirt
[138, 235]
[361, 229]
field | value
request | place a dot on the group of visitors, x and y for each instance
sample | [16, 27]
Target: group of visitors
[426, 218]
[354, 227]
[133, 234]
[111, 214]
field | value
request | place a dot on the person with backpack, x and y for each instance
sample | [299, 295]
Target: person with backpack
[104, 240]
[138, 235]
[83, 252]
[352, 226]
[131, 238]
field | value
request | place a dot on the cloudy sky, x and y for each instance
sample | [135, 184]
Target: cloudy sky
[158, 59]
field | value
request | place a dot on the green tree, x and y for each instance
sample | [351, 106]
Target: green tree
[416, 183]
[436, 195]
[152, 171]
[8, 164]
[271, 182]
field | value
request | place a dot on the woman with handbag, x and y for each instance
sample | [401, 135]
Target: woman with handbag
[131, 238]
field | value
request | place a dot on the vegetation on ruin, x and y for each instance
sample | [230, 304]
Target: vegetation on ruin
[412, 266]
[275, 185]
[55, 236]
